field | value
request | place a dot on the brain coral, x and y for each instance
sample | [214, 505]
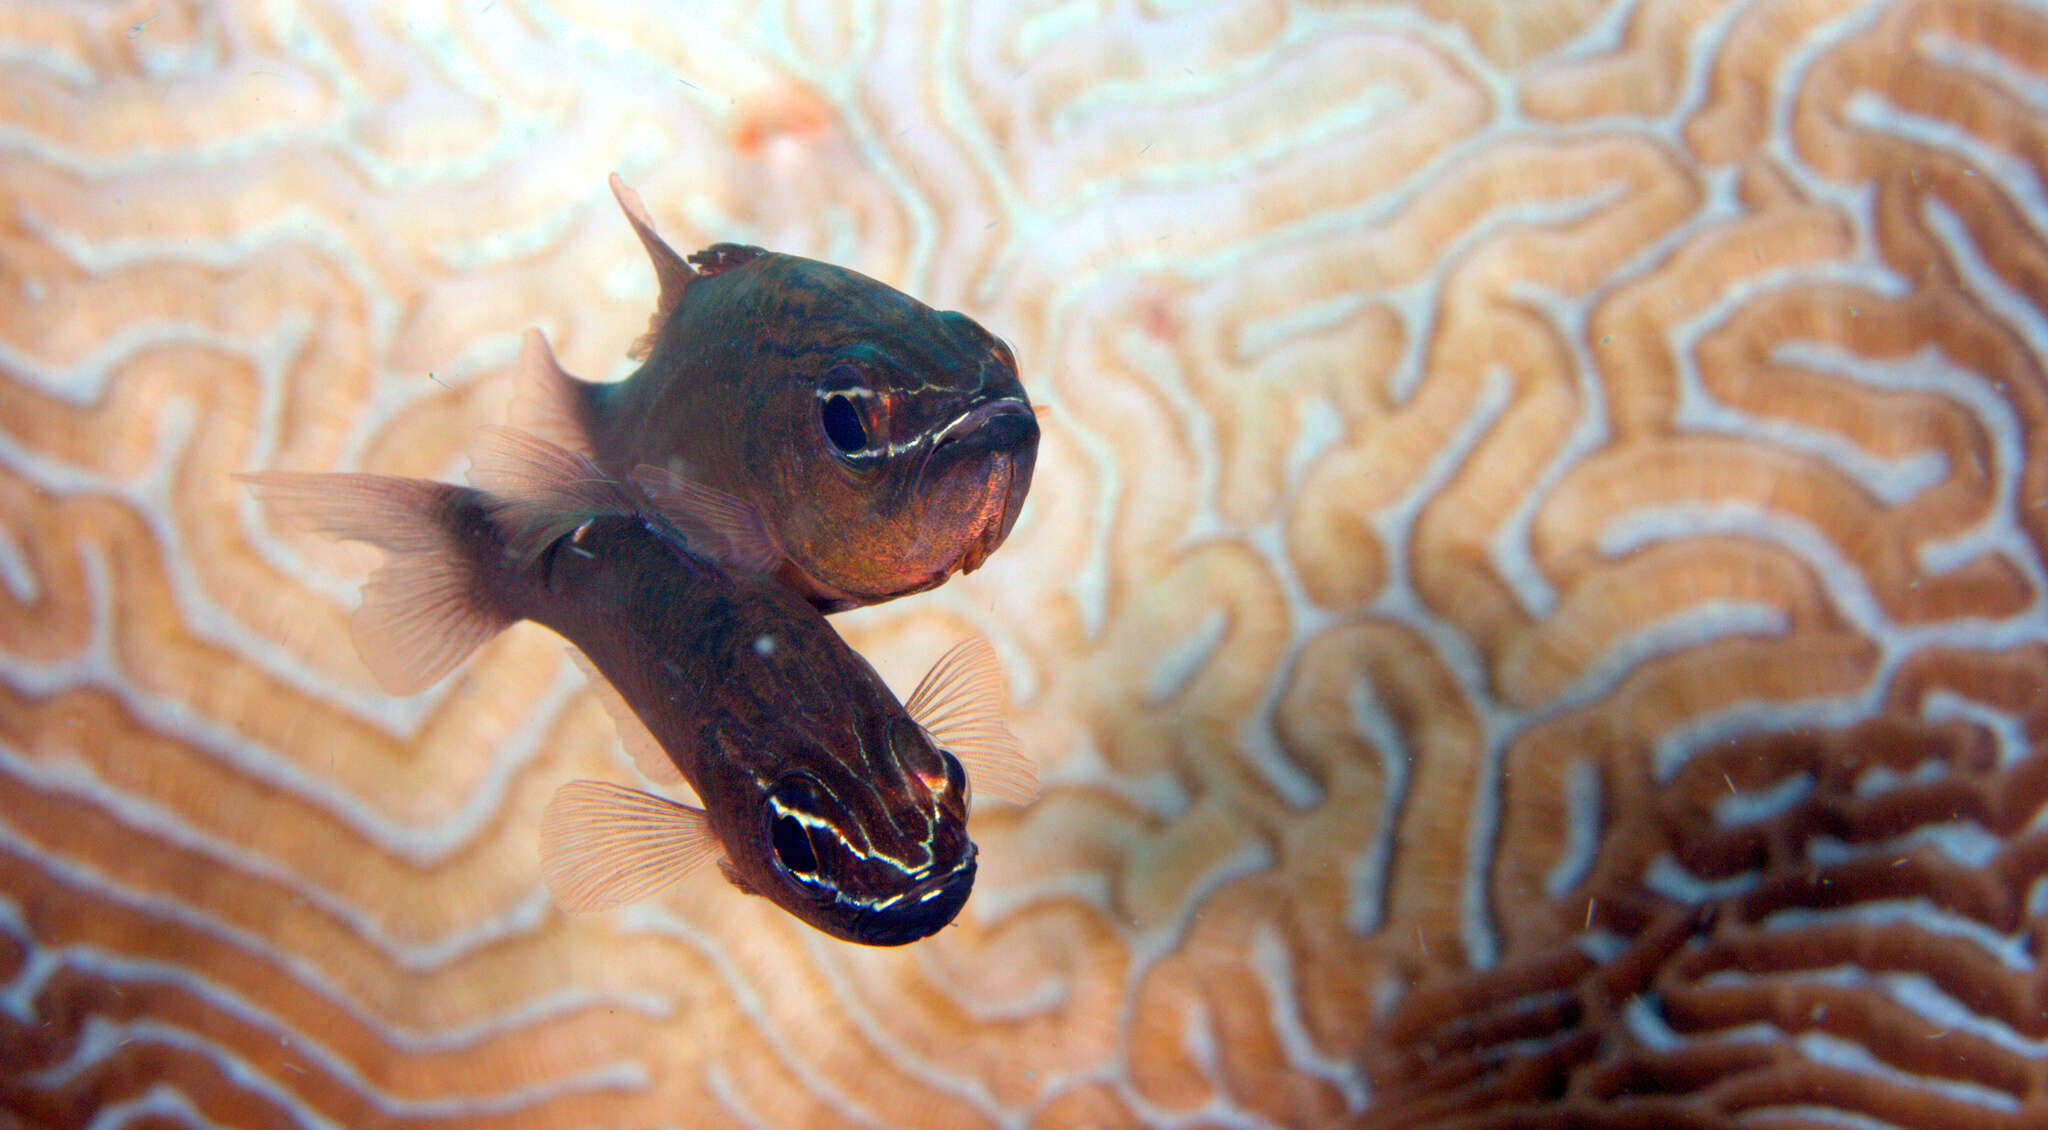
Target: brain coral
[1531, 611]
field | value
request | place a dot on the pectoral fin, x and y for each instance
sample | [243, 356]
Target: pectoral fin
[960, 704]
[716, 524]
[606, 845]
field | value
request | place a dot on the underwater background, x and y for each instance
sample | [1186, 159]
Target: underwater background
[1530, 612]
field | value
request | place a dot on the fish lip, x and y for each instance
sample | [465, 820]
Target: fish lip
[1009, 409]
[927, 909]
[1021, 465]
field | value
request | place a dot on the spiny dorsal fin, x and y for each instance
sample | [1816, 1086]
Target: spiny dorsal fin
[670, 269]
[604, 845]
[548, 402]
[717, 524]
[540, 491]
[429, 606]
[960, 704]
[648, 756]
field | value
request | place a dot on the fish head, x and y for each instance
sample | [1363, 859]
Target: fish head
[913, 439]
[877, 855]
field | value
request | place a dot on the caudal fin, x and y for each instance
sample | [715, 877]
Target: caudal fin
[429, 606]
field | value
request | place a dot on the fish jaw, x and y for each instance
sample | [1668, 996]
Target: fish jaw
[993, 447]
[1009, 479]
[922, 911]
[961, 507]
[1019, 484]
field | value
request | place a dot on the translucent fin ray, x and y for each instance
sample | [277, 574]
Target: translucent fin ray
[549, 403]
[604, 845]
[429, 606]
[540, 490]
[649, 758]
[960, 704]
[717, 524]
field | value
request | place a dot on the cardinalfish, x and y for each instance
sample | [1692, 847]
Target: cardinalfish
[819, 790]
[880, 445]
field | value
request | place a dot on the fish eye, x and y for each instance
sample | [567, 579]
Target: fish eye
[840, 395]
[956, 776]
[842, 423]
[793, 846]
[792, 815]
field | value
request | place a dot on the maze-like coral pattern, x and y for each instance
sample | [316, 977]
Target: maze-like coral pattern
[1530, 613]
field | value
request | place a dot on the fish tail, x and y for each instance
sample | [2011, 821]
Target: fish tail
[550, 403]
[433, 602]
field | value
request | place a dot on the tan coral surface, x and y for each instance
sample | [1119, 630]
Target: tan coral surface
[1531, 612]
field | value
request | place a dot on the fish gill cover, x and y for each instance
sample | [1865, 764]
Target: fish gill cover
[1529, 609]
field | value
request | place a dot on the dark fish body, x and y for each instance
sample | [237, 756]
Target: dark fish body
[820, 790]
[758, 701]
[885, 445]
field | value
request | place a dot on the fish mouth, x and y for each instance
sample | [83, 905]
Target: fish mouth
[1004, 433]
[922, 912]
[994, 426]
[1008, 481]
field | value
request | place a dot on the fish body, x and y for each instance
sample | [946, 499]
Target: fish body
[806, 764]
[885, 445]
[818, 789]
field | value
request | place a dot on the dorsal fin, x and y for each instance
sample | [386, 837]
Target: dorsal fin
[671, 271]
[653, 761]
[960, 704]
[604, 845]
[717, 524]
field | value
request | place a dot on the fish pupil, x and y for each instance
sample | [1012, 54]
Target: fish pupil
[793, 845]
[842, 423]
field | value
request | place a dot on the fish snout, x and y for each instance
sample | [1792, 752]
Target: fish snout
[922, 912]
